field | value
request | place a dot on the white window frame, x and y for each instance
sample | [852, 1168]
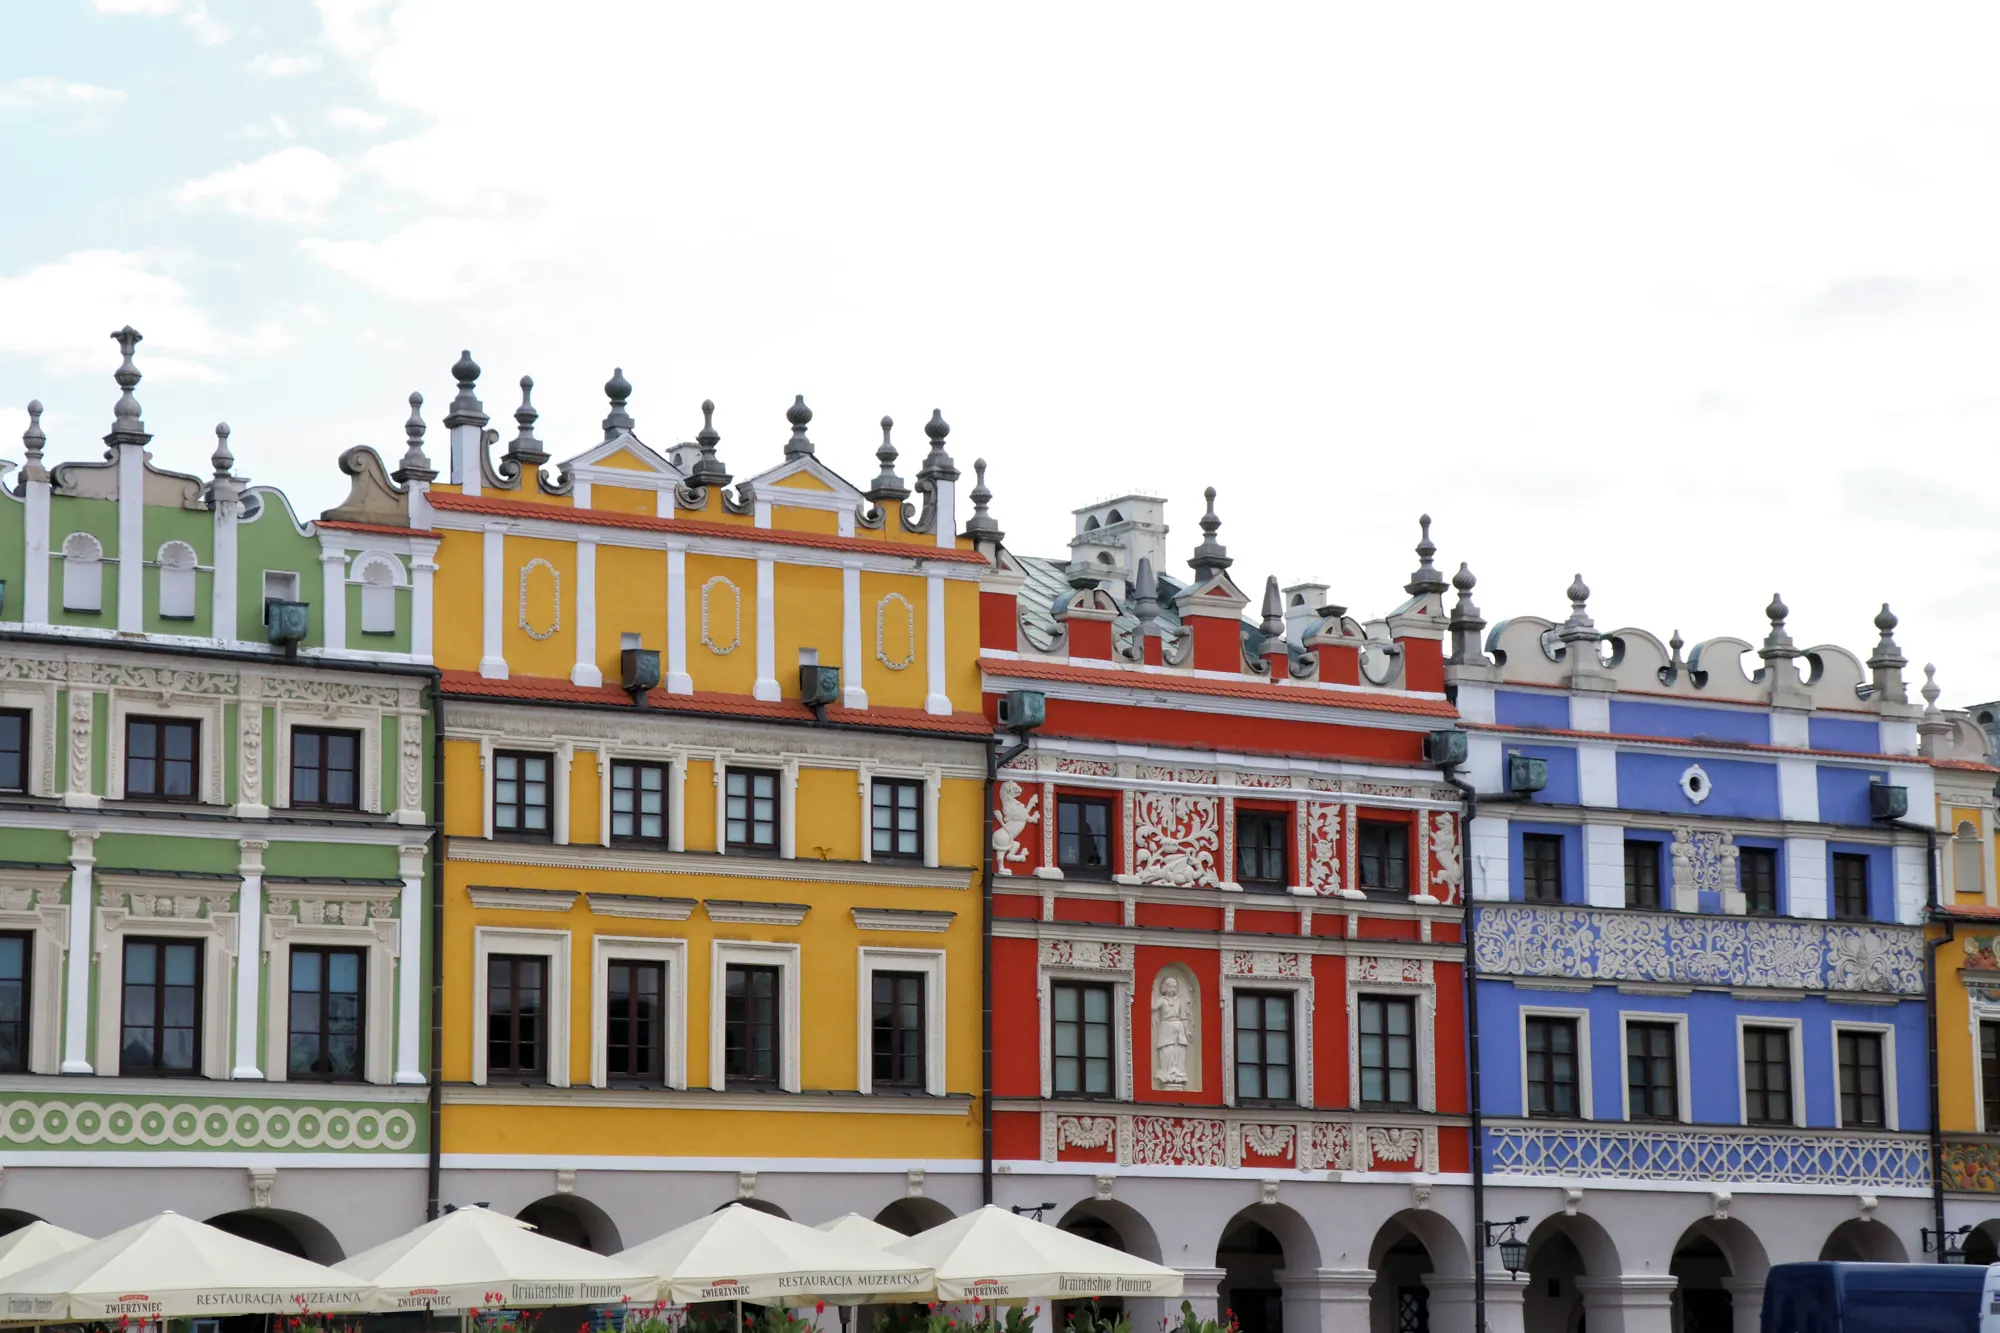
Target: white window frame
[1797, 1029]
[786, 770]
[380, 940]
[755, 953]
[560, 756]
[288, 718]
[217, 934]
[1683, 1099]
[207, 712]
[672, 954]
[931, 963]
[675, 762]
[1978, 1011]
[46, 923]
[1581, 1017]
[1892, 1119]
[553, 945]
[1425, 993]
[1301, 989]
[1120, 981]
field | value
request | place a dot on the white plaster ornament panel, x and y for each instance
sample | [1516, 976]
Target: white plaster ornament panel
[884, 617]
[1175, 839]
[711, 624]
[1695, 784]
[526, 622]
[1018, 813]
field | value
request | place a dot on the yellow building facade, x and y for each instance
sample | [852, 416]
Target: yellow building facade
[706, 936]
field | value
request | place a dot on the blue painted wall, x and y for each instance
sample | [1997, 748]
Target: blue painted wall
[1514, 708]
[1572, 860]
[1843, 793]
[1740, 788]
[1637, 718]
[1562, 788]
[1881, 877]
[1839, 733]
[1784, 870]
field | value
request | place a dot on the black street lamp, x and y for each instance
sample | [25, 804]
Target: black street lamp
[1947, 1245]
[1031, 1210]
[1513, 1250]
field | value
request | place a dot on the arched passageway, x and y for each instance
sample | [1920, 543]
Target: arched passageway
[1257, 1248]
[1410, 1249]
[1716, 1263]
[761, 1205]
[1121, 1227]
[1561, 1250]
[910, 1216]
[573, 1221]
[1863, 1241]
[1982, 1243]
[12, 1219]
[293, 1233]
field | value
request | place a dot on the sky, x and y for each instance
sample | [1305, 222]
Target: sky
[1698, 301]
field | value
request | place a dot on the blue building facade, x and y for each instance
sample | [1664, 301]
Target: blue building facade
[1700, 970]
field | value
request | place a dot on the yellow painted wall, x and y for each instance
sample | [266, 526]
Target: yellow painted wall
[526, 655]
[624, 500]
[631, 597]
[887, 688]
[590, 1131]
[585, 792]
[734, 672]
[961, 644]
[792, 518]
[464, 790]
[456, 599]
[1958, 1043]
[830, 815]
[808, 615]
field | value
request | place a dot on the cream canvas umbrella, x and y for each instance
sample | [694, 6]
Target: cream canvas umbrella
[170, 1266]
[995, 1256]
[36, 1243]
[474, 1259]
[853, 1226]
[742, 1254]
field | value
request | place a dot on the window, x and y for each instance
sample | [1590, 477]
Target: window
[1642, 874]
[1388, 1027]
[177, 569]
[1385, 856]
[750, 1024]
[1552, 1066]
[13, 751]
[752, 813]
[634, 1019]
[1541, 867]
[1757, 876]
[325, 1013]
[326, 768]
[639, 803]
[517, 1036]
[896, 819]
[898, 1029]
[1860, 1056]
[1652, 1073]
[1767, 1076]
[1083, 834]
[1850, 886]
[521, 795]
[281, 585]
[1081, 1039]
[14, 981]
[1989, 1074]
[160, 759]
[378, 598]
[83, 573]
[161, 1022]
[1264, 1046]
[1260, 849]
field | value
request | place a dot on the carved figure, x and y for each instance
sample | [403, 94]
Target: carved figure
[1451, 871]
[1016, 815]
[1172, 1013]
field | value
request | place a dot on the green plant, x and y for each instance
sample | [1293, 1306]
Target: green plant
[1090, 1319]
[1194, 1323]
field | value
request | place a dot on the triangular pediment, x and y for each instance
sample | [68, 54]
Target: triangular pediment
[623, 453]
[810, 482]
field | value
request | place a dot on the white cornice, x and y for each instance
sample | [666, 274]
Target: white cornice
[638, 905]
[899, 918]
[186, 825]
[737, 912]
[1235, 941]
[701, 1099]
[1234, 761]
[708, 865]
[171, 1091]
[522, 900]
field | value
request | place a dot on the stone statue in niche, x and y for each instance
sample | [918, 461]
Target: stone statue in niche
[1017, 812]
[1173, 1015]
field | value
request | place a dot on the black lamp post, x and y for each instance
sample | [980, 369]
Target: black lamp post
[1949, 1246]
[1031, 1210]
[1513, 1250]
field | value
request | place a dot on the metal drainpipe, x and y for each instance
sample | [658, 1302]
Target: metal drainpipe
[435, 1166]
[1469, 811]
[1930, 1015]
[996, 759]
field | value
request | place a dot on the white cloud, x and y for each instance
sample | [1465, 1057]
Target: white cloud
[355, 27]
[276, 65]
[277, 127]
[43, 91]
[290, 185]
[59, 313]
[355, 118]
[207, 30]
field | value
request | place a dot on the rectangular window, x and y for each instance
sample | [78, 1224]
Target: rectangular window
[750, 1033]
[1542, 867]
[896, 819]
[326, 768]
[517, 1036]
[13, 750]
[281, 585]
[1388, 1027]
[14, 983]
[521, 799]
[1850, 886]
[1260, 849]
[160, 759]
[639, 803]
[898, 1030]
[1264, 1046]
[1767, 1076]
[1552, 1066]
[1861, 1104]
[160, 1031]
[635, 1020]
[1642, 874]
[1083, 835]
[1757, 876]
[1081, 1039]
[752, 811]
[1652, 1071]
[325, 1023]
[1989, 1074]
[1385, 856]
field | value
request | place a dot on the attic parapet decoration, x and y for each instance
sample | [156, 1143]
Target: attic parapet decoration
[887, 490]
[101, 481]
[934, 481]
[415, 465]
[126, 427]
[466, 420]
[1886, 663]
[1466, 623]
[618, 421]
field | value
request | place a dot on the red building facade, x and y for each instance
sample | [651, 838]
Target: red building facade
[1228, 987]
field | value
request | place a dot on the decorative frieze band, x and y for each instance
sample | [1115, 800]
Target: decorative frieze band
[1134, 1139]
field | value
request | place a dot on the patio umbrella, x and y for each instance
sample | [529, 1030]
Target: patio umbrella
[742, 1254]
[472, 1258]
[995, 1256]
[853, 1226]
[35, 1243]
[170, 1266]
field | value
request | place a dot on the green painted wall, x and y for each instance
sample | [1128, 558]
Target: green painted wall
[99, 518]
[399, 641]
[13, 553]
[40, 846]
[138, 851]
[330, 858]
[197, 529]
[273, 542]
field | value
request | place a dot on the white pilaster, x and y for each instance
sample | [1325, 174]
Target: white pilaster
[131, 537]
[1798, 790]
[933, 793]
[1327, 1300]
[249, 955]
[333, 596]
[1805, 877]
[1589, 711]
[1791, 729]
[1486, 859]
[1603, 864]
[1597, 776]
[423, 573]
[1629, 1302]
[678, 679]
[936, 699]
[721, 804]
[492, 661]
[788, 810]
[82, 918]
[222, 584]
[1746, 1303]
[864, 778]
[852, 692]
[559, 798]
[676, 804]
[586, 672]
[465, 454]
[410, 968]
[945, 507]
[767, 633]
[35, 577]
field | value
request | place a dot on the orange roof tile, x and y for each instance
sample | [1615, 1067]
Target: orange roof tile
[384, 529]
[1133, 678]
[1967, 765]
[554, 689]
[1979, 913]
[609, 518]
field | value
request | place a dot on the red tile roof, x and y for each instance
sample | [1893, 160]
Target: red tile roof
[1709, 743]
[1966, 764]
[452, 502]
[554, 689]
[1135, 679]
[1979, 913]
[384, 529]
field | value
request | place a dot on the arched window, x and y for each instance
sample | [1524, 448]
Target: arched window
[83, 573]
[1091, 524]
[378, 596]
[177, 561]
[1968, 859]
[1114, 517]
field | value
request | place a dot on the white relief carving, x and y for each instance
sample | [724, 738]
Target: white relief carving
[1167, 1141]
[1173, 1013]
[1259, 963]
[1175, 840]
[1695, 784]
[1366, 968]
[302, 690]
[1017, 812]
[1164, 773]
[171, 906]
[16, 899]
[1450, 878]
[1270, 780]
[1394, 1145]
[410, 739]
[881, 634]
[1322, 833]
[79, 740]
[708, 640]
[1268, 1140]
[1088, 768]
[555, 615]
[1703, 863]
[1089, 954]
[1083, 1131]
[1325, 1147]
[250, 789]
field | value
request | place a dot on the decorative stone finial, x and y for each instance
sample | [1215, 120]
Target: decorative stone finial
[937, 463]
[32, 438]
[1579, 627]
[1466, 622]
[800, 416]
[466, 409]
[126, 427]
[1777, 643]
[524, 447]
[617, 389]
[1425, 578]
[1675, 645]
[887, 486]
[1273, 625]
[1465, 580]
[1930, 691]
[1146, 592]
[1886, 663]
[1211, 556]
[981, 526]
[222, 460]
[708, 469]
[416, 465]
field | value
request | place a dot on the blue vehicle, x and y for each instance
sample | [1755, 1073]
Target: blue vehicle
[1875, 1298]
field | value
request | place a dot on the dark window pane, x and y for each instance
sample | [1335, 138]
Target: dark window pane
[521, 794]
[160, 1010]
[1850, 886]
[1989, 1074]
[1757, 875]
[1652, 1074]
[1552, 1066]
[1263, 1040]
[751, 811]
[325, 770]
[897, 1036]
[1861, 1093]
[751, 1039]
[1081, 1039]
[160, 758]
[13, 751]
[1385, 851]
[638, 803]
[14, 1002]
[895, 819]
[515, 992]
[635, 1033]
[1083, 834]
[1542, 867]
[1767, 1076]
[1642, 874]
[1260, 849]
[1388, 1051]
[325, 1039]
